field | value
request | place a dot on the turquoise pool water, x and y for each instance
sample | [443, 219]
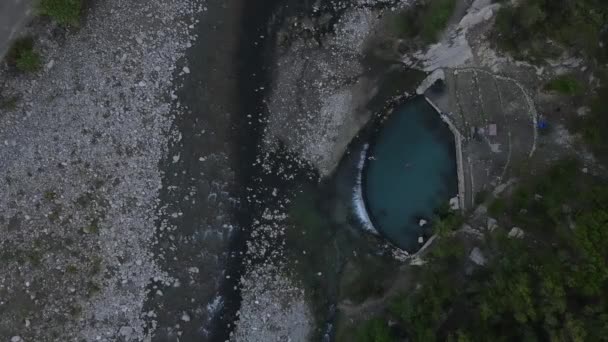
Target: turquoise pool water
[410, 171]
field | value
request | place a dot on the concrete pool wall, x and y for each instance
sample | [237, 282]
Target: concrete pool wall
[459, 163]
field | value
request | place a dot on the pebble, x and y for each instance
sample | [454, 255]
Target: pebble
[186, 70]
[186, 317]
[16, 339]
[126, 331]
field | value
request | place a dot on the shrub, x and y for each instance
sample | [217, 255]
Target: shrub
[28, 61]
[435, 18]
[565, 84]
[8, 103]
[425, 20]
[375, 330]
[22, 55]
[497, 207]
[64, 12]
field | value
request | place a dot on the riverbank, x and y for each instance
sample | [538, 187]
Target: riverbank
[80, 168]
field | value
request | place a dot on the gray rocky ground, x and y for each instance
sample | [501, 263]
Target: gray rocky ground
[322, 87]
[80, 173]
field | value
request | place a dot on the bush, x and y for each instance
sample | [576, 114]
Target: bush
[425, 20]
[497, 207]
[28, 61]
[8, 103]
[435, 18]
[375, 330]
[565, 84]
[22, 55]
[64, 12]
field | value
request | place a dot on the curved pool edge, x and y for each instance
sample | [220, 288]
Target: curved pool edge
[459, 161]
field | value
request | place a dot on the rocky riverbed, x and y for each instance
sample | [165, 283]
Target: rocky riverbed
[80, 172]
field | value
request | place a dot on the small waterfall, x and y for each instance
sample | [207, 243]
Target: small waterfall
[358, 202]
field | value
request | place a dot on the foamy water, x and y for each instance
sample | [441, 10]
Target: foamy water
[358, 202]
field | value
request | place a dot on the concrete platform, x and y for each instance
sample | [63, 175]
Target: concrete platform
[496, 119]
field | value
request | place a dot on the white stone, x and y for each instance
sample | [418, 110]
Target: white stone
[16, 339]
[454, 203]
[477, 257]
[422, 222]
[516, 233]
[420, 239]
[186, 317]
[582, 111]
[186, 70]
[492, 224]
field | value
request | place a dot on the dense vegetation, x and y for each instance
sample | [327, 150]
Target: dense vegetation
[565, 84]
[550, 285]
[537, 29]
[425, 20]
